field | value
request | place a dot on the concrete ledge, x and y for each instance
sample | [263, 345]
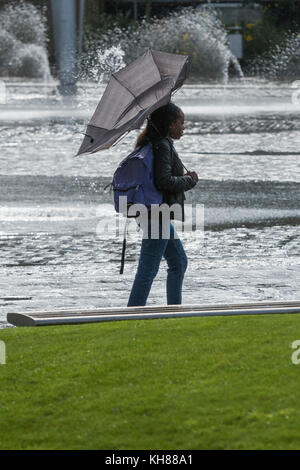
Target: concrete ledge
[143, 313]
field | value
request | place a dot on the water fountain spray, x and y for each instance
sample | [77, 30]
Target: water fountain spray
[23, 42]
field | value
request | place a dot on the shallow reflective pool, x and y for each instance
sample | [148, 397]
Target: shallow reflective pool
[243, 140]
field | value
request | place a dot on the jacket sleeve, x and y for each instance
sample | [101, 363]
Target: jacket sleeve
[163, 178]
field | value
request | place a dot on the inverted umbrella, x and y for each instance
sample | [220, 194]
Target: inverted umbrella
[131, 95]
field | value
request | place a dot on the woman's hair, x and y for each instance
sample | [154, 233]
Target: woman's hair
[159, 123]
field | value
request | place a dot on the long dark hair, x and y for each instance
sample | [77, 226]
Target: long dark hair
[159, 123]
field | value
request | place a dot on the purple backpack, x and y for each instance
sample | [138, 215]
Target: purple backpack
[134, 179]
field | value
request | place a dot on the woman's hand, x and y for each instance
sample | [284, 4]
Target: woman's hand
[193, 174]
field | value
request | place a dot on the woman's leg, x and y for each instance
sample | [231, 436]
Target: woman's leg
[150, 257]
[177, 264]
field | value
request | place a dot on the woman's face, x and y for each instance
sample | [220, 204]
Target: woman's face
[177, 127]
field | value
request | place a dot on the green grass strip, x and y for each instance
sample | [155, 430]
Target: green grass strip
[189, 383]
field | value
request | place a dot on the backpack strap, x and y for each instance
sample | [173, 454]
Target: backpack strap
[123, 248]
[123, 256]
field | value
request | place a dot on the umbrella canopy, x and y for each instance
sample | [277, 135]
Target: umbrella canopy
[131, 95]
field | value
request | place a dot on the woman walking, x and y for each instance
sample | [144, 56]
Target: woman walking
[164, 125]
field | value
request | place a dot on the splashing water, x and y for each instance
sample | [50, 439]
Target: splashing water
[196, 32]
[23, 42]
[105, 62]
[281, 62]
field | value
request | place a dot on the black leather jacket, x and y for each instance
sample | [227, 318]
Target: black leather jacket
[169, 174]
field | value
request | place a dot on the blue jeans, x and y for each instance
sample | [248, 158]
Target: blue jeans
[152, 251]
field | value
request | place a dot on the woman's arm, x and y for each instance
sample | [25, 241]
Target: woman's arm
[163, 178]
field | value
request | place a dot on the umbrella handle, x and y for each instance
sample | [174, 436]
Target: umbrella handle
[186, 169]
